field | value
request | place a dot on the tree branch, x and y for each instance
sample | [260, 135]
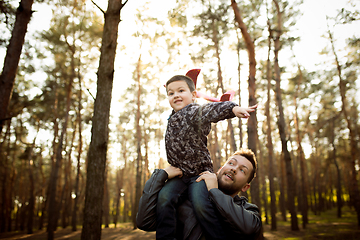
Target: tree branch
[98, 7]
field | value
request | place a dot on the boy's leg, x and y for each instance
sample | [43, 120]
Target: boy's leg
[205, 211]
[167, 202]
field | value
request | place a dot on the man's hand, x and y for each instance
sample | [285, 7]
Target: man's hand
[242, 112]
[209, 178]
[173, 172]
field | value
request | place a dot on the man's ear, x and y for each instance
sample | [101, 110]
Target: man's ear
[245, 187]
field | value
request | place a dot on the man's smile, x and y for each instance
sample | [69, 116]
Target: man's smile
[229, 175]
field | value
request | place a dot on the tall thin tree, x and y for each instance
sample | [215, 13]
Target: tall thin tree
[138, 146]
[252, 122]
[269, 142]
[53, 205]
[99, 133]
[12, 57]
[354, 191]
[78, 164]
[282, 124]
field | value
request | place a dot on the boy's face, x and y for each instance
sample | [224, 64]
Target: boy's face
[179, 95]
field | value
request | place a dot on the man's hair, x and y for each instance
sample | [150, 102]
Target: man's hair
[249, 155]
[184, 78]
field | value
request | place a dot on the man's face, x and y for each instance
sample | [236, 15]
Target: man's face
[233, 176]
[179, 95]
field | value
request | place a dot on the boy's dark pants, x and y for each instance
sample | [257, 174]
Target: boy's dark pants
[168, 200]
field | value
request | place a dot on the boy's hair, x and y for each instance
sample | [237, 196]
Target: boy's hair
[249, 155]
[184, 78]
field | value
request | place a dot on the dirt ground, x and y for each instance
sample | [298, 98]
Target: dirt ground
[333, 231]
[126, 232]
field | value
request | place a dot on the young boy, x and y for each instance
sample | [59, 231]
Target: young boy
[186, 148]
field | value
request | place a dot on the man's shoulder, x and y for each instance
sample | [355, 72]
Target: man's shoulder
[243, 201]
[239, 200]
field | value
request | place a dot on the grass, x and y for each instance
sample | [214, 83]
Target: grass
[325, 226]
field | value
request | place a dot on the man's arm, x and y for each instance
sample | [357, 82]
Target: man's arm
[146, 215]
[243, 218]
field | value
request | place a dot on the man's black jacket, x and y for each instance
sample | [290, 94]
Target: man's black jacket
[241, 220]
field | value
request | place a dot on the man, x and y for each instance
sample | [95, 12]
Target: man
[240, 219]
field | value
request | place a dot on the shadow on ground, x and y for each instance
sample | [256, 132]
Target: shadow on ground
[126, 232]
[333, 230]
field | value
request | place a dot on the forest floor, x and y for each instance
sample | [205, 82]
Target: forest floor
[325, 226]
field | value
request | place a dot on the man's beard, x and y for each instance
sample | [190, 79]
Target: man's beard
[225, 188]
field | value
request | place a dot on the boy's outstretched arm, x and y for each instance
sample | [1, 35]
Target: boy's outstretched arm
[243, 112]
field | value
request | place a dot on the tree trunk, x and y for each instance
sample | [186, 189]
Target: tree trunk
[354, 191]
[66, 189]
[282, 127]
[303, 202]
[42, 204]
[106, 204]
[5, 175]
[99, 133]
[239, 90]
[269, 144]
[125, 179]
[315, 206]
[43, 211]
[11, 193]
[338, 181]
[12, 57]
[119, 186]
[287, 157]
[261, 171]
[53, 204]
[252, 121]
[146, 173]
[139, 157]
[31, 205]
[77, 178]
[126, 205]
[117, 200]
[282, 201]
[215, 40]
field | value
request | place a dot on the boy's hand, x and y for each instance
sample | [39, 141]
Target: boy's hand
[243, 112]
[209, 178]
[173, 172]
